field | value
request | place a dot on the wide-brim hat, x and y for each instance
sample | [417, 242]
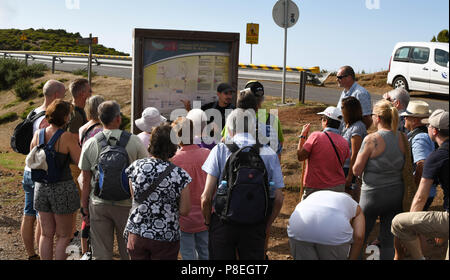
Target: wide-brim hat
[332, 112]
[150, 119]
[417, 109]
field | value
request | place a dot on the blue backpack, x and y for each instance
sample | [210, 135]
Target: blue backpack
[111, 181]
[53, 174]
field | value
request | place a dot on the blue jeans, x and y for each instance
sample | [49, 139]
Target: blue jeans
[194, 246]
[28, 187]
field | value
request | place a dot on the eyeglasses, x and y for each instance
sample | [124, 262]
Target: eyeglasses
[341, 77]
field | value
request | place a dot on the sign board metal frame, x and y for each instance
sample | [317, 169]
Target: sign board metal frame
[171, 40]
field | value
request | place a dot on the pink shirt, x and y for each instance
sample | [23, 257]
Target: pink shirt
[191, 159]
[324, 169]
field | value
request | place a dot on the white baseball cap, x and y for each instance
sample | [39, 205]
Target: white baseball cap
[332, 112]
[150, 118]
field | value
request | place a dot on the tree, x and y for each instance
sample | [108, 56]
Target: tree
[443, 36]
[434, 39]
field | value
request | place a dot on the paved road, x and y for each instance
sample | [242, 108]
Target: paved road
[271, 82]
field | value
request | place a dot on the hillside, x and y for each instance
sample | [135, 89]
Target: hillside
[48, 40]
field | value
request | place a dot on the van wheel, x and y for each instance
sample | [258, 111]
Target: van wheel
[400, 82]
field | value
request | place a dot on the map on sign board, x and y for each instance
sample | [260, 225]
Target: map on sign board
[182, 70]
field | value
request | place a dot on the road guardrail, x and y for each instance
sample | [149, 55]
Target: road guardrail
[116, 60]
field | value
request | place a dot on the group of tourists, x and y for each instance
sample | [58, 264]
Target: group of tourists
[208, 184]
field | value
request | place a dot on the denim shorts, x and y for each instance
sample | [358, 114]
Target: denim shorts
[28, 187]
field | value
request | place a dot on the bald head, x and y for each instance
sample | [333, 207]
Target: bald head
[54, 89]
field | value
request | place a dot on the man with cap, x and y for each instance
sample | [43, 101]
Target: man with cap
[326, 153]
[419, 141]
[150, 118]
[407, 226]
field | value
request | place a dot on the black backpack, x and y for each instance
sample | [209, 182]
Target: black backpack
[23, 133]
[111, 182]
[246, 200]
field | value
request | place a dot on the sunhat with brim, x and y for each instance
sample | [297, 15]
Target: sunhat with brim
[438, 119]
[150, 118]
[417, 109]
[332, 113]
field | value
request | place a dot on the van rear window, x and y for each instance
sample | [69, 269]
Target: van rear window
[402, 54]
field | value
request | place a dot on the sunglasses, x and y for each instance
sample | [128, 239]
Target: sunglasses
[341, 77]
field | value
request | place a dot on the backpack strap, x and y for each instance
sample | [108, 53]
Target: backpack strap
[54, 138]
[33, 116]
[124, 138]
[232, 147]
[86, 132]
[101, 139]
[155, 183]
[42, 136]
[339, 158]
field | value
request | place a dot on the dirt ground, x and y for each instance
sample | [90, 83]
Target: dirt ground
[11, 168]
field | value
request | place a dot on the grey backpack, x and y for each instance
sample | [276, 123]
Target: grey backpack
[111, 182]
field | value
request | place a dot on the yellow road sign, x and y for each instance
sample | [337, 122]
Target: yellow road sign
[23, 37]
[252, 33]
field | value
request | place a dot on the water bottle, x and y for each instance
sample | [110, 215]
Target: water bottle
[223, 187]
[271, 189]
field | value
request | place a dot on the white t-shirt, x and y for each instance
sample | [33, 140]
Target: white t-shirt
[324, 218]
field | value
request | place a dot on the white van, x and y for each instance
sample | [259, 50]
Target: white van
[421, 66]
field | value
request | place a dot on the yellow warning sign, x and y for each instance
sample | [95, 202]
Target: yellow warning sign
[252, 33]
[23, 37]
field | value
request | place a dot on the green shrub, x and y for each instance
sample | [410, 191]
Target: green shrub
[126, 122]
[27, 111]
[24, 89]
[12, 70]
[8, 117]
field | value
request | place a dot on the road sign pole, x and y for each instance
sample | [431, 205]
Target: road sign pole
[283, 84]
[251, 53]
[90, 60]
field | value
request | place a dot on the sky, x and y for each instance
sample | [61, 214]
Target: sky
[328, 34]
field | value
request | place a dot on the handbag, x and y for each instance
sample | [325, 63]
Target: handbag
[410, 187]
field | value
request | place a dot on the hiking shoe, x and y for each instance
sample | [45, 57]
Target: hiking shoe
[34, 258]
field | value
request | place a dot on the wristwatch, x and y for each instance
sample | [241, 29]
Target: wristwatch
[82, 212]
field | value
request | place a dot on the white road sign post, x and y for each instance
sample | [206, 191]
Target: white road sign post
[285, 14]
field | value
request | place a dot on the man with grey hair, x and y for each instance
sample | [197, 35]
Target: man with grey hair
[228, 239]
[106, 216]
[52, 90]
[399, 97]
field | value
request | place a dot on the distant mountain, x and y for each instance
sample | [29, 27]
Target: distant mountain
[48, 40]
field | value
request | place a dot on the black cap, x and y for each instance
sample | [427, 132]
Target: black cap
[224, 87]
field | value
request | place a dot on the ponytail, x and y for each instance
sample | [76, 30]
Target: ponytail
[394, 119]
